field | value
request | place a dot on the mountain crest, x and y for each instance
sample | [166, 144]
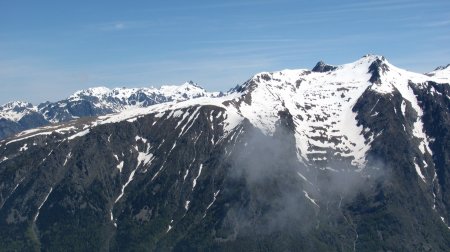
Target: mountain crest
[94, 101]
[322, 67]
[374, 57]
[16, 105]
[192, 83]
[441, 73]
[442, 67]
[378, 67]
[95, 91]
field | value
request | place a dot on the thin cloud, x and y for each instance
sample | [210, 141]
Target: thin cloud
[238, 41]
[219, 5]
[437, 23]
[247, 47]
[369, 6]
[160, 24]
[134, 24]
[120, 25]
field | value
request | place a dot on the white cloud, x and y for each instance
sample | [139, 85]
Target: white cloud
[119, 26]
[437, 23]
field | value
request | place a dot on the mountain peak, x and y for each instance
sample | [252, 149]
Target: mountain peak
[442, 67]
[322, 67]
[15, 110]
[441, 73]
[377, 67]
[95, 91]
[192, 83]
[374, 57]
[16, 105]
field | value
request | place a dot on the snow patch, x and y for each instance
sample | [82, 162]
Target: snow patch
[194, 183]
[443, 221]
[79, 134]
[214, 200]
[42, 204]
[120, 166]
[138, 138]
[130, 178]
[185, 175]
[310, 199]
[24, 148]
[419, 172]
[67, 158]
[403, 107]
[144, 158]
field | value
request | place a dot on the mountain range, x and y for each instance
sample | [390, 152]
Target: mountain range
[351, 157]
[18, 116]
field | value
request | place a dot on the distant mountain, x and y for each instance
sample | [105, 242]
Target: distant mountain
[351, 157]
[441, 73]
[19, 116]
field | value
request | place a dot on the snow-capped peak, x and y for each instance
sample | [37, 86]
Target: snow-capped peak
[186, 90]
[95, 101]
[373, 57]
[322, 67]
[321, 103]
[16, 105]
[95, 91]
[442, 67]
[15, 110]
[102, 100]
[441, 73]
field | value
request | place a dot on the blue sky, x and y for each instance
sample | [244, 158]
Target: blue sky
[49, 49]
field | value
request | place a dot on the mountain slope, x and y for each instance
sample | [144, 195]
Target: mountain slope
[441, 73]
[351, 157]
[19, 116]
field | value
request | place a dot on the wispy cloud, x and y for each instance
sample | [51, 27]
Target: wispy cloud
[239, 41]
[243, 47]
[437, 23]
[139, 25]
[120, 25]
[374, 6]
[218, 5]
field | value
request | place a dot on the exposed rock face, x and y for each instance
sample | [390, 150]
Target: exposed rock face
[321, 67]
[351, 159]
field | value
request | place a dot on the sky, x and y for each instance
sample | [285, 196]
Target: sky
[50, 49]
